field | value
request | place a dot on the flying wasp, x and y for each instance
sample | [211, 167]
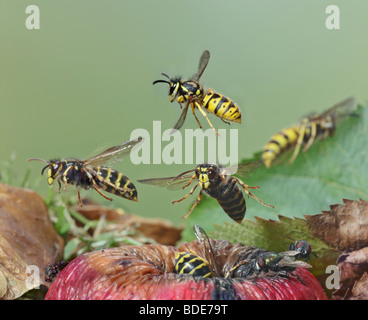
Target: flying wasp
[303, 247]
[217, 182]
[190, 263]
[91, 174]
[311, 128]
[192, 93]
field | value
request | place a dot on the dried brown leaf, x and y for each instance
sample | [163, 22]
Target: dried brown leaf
[353, 276]
[27, 239]
[160, 230]
[344, 227]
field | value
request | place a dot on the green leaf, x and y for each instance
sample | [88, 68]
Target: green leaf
[70, 248]
[62, 226]
[328, 172]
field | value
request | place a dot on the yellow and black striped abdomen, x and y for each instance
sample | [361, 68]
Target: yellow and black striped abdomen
[187, 263]
[221, 106]
[232, 202]
[279, 143]
[115, 182]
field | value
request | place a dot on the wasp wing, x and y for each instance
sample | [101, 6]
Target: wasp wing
[202, 237]
[203, 62]
[242, 170]
[181, 120]
[340, 110]
[171, 183]
[113, 154]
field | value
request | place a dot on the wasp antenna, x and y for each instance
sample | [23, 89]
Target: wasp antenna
[164, 81]
[166, 75]
[43, 169]
[183, 173]
[36, 159]
[157, 81]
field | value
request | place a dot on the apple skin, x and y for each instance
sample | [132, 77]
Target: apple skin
[147, 273]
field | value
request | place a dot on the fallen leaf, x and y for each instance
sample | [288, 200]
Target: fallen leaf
[160, 230]
[344, 227]
[28, 241]
[353, 268]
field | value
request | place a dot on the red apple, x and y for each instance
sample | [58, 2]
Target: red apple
[147, 272]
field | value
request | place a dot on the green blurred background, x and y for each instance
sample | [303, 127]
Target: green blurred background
[84, 80]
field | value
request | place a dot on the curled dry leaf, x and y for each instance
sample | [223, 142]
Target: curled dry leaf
[353, 276]
[160, 230]
[344, 227]
[27, 239]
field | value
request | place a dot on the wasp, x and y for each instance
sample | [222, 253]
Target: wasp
[311, 128]
[91, 174]
[192, 93]
[190, 263]
[217, 182]
[265, 261]
[303, 247]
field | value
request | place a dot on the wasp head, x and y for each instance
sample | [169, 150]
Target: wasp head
[206, 173]
[174, 86]
[53, 168]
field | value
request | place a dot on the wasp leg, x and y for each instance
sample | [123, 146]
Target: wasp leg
[189, 194]
[59, 186]
[193, 110]
[205, 115]
[243, 184]
[282, 158]
[194, 205]
[65, 180]
[79, 199]
[225, 121]
[245, 188]
[298, 144]
[312, 137]
[95, 187]
[65, 183]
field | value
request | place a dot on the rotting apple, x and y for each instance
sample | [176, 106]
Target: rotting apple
[147, 272]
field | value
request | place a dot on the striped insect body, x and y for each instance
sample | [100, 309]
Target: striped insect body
[91, 174]
[311, 128]
[191, 93]
[188, 263]
[217, 182]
